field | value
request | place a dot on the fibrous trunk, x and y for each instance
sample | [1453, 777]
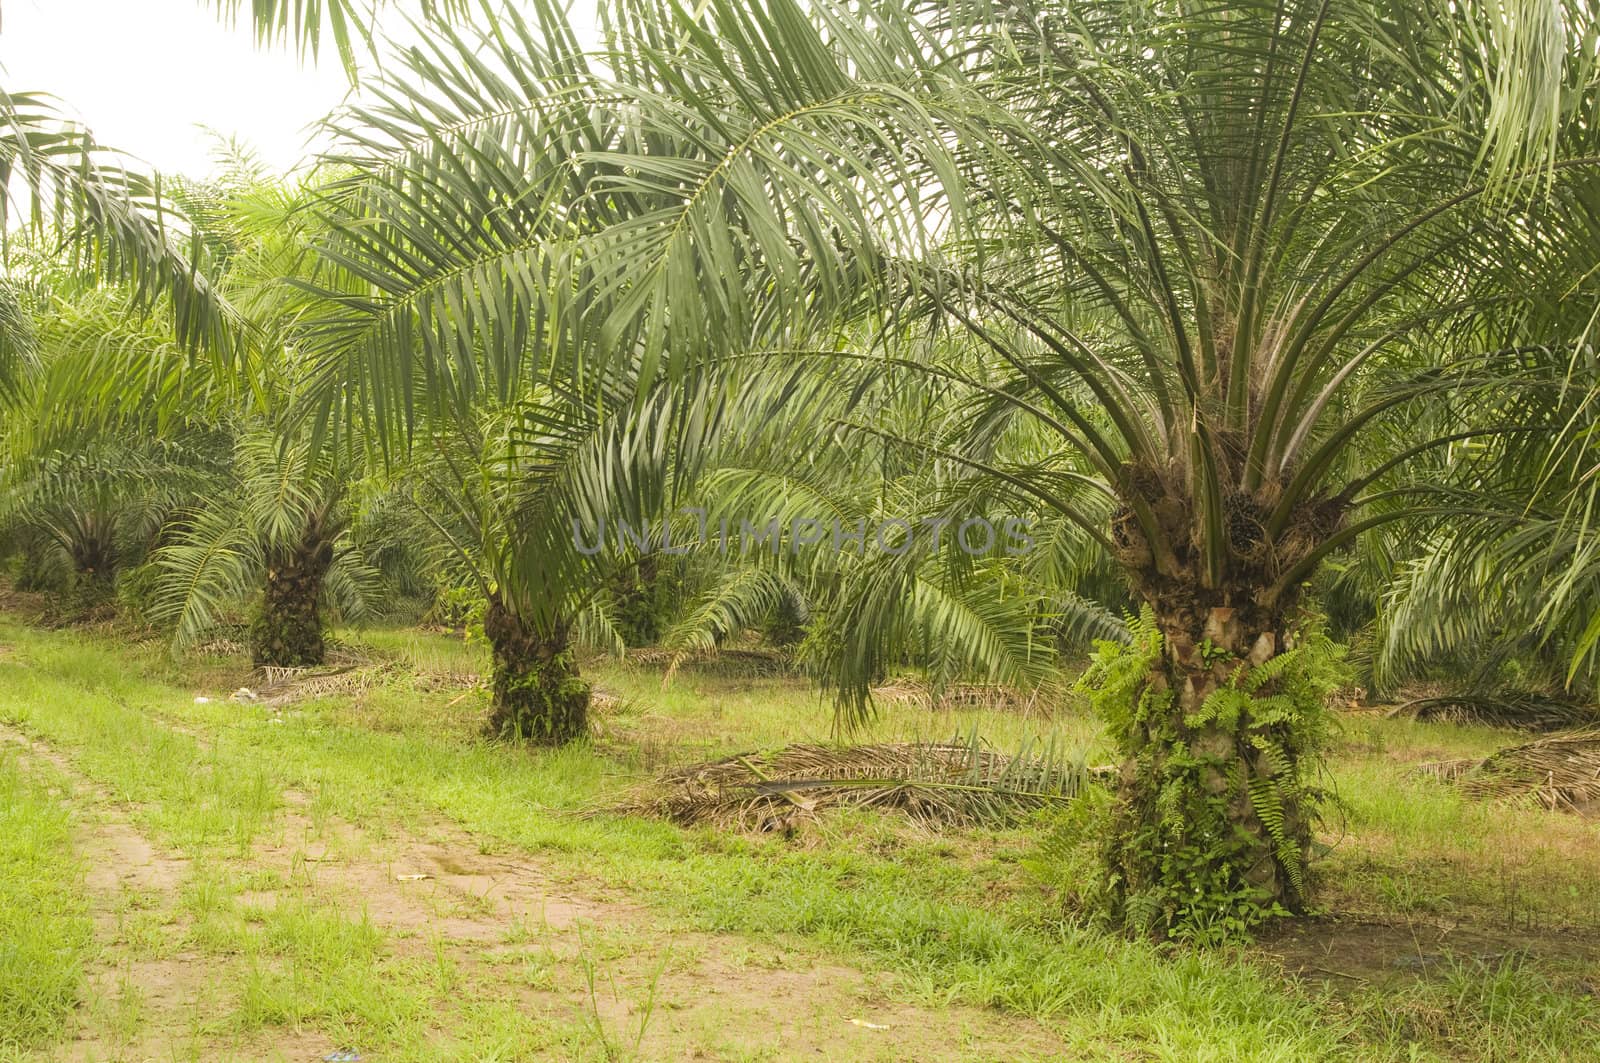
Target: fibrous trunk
[287, 633]
[538, 694]
[1214, 813]
[94, 569]
[1211, 808]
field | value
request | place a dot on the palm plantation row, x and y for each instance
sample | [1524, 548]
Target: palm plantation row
[1253, 314]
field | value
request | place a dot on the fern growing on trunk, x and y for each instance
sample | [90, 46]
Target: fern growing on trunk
[1213, 826]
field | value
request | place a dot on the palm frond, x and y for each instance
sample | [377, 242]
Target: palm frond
[935, 784]
[212, 564]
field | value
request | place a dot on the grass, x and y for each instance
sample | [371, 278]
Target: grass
[938, 920]
[45, 933]
[1419, 846]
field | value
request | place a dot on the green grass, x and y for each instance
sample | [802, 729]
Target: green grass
[950, 918]
[1419, 846]
[45, 934]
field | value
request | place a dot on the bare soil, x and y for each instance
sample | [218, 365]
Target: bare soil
[129, 881]
[441, 898]
[1363, 949]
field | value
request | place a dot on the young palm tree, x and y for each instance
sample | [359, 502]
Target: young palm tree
[1208, 249]
[276, 524]
[274, 516]
[588, 441]
[80, 518]
[484, 485]
[84, 499]
[281, 524]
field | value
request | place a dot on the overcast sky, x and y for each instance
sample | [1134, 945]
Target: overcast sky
[147, 75]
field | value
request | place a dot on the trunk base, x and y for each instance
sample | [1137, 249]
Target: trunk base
[538, 694]
[1211, 828]
[287, 633]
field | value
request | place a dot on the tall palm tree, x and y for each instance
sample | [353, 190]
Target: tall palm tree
[1208, 248]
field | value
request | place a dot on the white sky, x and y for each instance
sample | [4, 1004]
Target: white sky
[147, 75]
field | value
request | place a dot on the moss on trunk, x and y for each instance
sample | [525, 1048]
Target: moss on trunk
[538, 694]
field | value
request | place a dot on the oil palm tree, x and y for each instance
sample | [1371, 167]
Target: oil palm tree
[274, 516]
[83, 498]
[1208, 249]
[281, 524]
[80, 227]
[79, 519]
[485, 486]
[585, 441]
[275, 528]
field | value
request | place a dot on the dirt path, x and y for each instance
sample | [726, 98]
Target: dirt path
[695, 995]
[636, 987]
[142, 984]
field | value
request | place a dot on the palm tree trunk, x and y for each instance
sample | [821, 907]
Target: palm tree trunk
[94, 565]
[1214, 812]
[1222, 843]
[538, 695]
[287, 633]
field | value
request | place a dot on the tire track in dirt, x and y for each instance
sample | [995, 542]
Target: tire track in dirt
[126, 873]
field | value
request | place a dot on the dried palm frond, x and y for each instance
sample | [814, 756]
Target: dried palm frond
[982, 696]
[904, 692]
[1523, 710]
[721, 661]
[30, 606]
[1443, 770]
[344, 654]
[435, 681]
[282, 686]
[749, 662]
[222, 646]
[921, 694]
[1559, 772]
[934, 783]
[273, 675]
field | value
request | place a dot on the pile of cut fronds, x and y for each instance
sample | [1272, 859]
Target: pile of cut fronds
[1559, 772]
[958, 782]
[437, 681]
[284, 686]
[921, 694]
[1448, 771]
[725, 661]
[221, 647]
[1526, 710]
[353, 654]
